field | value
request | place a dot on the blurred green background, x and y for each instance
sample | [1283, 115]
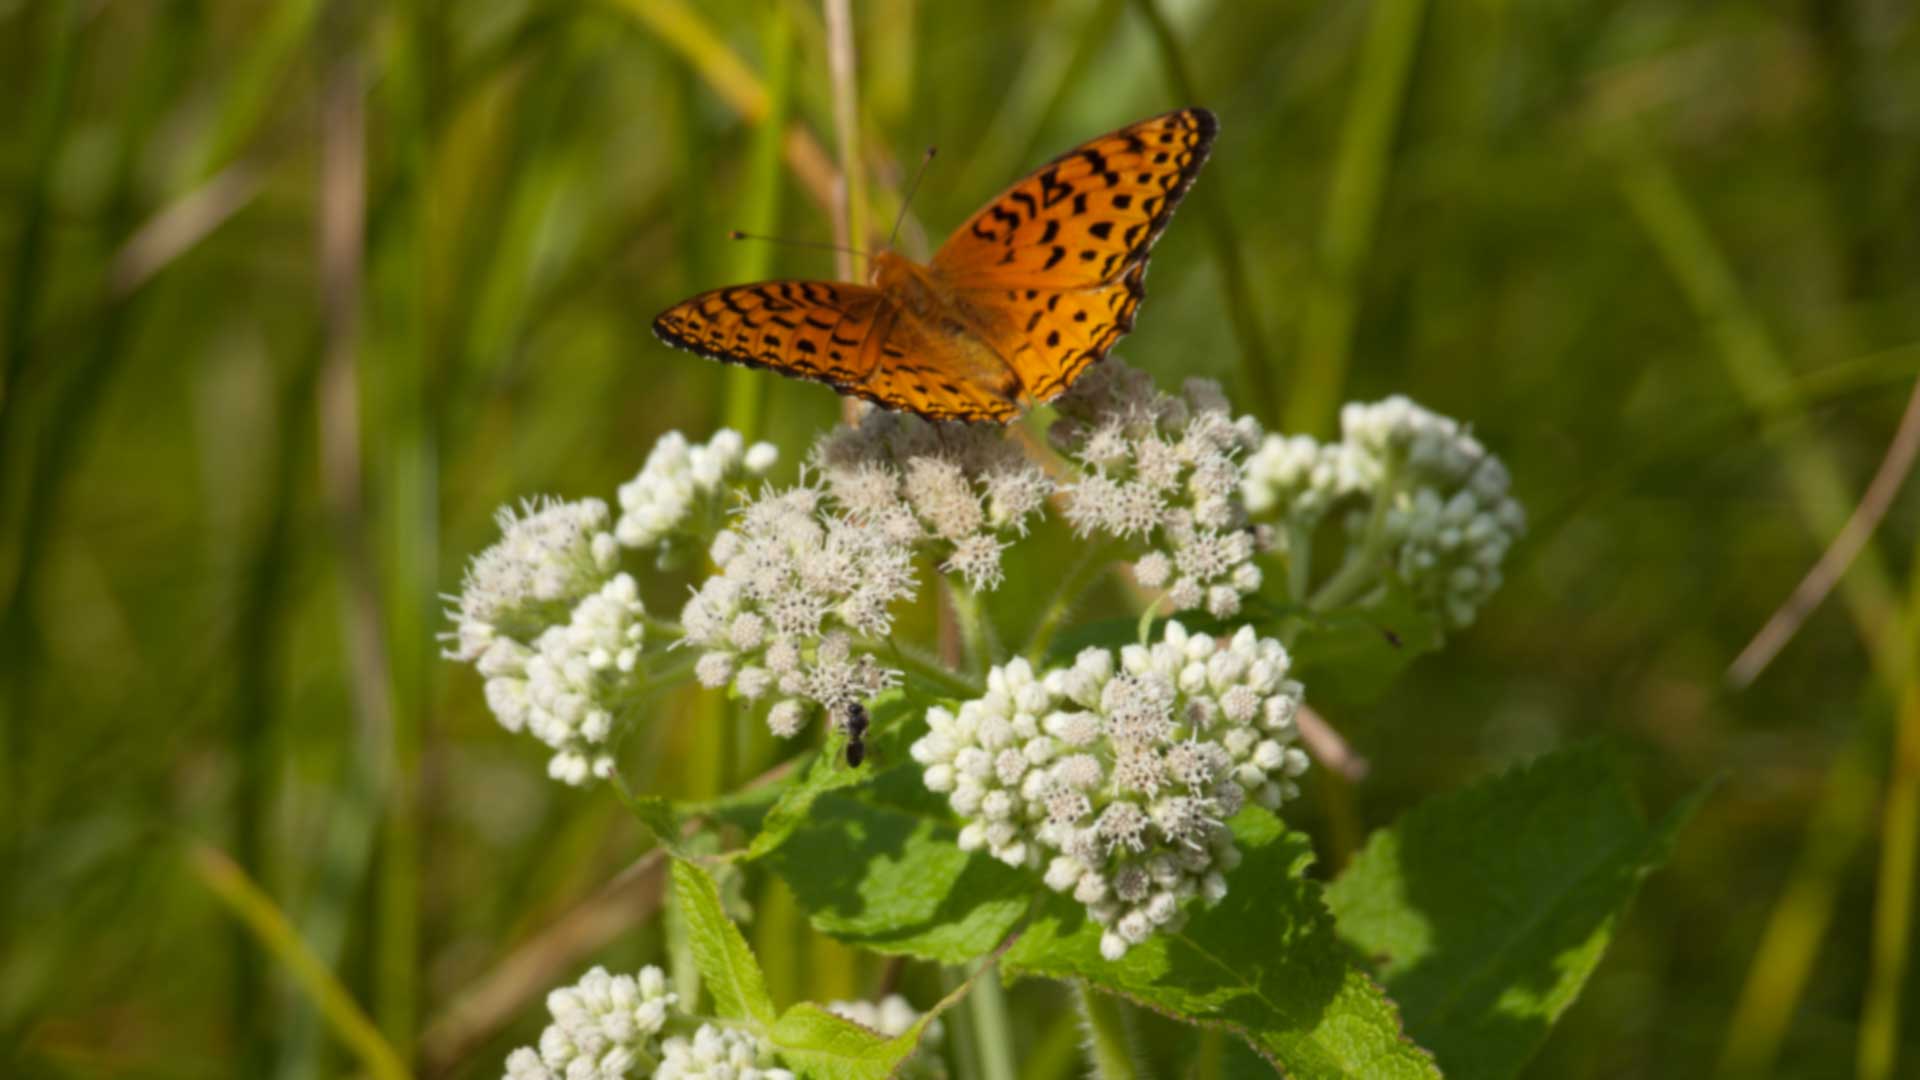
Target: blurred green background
[295, 294]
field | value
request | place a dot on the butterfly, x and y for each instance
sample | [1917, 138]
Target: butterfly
[1018, 302]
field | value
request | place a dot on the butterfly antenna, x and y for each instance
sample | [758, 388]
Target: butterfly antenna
[907, 200]
[820, 245]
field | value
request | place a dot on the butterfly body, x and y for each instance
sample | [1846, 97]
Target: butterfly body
[1024, 296]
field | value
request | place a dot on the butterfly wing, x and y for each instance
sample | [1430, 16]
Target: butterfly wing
[851, 337]
[807, 329]
[1059, 258]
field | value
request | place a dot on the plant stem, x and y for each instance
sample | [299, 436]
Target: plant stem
[1256, 364]
[277, 936]
[1299, 562]
[914, 664]
[1072, 587]
[969, 614]
[1358, 574]
[1353, 209]
[1893, 894]
[993, 1035]
[1109, 1034]
[760, 213]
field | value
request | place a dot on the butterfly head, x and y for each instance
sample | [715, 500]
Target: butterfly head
[888, 268]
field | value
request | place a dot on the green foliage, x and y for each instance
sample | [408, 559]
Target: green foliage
[826, 771]
[726, 964]
[1488, 909]
[891, 880]
[817, 1043]
[1264, 963]
[1354, 656]
[810, 1040]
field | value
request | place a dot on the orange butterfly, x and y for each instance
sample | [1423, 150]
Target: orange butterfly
[1011, 309]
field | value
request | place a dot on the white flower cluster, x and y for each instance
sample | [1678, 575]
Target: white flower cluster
[1451, 520]
[605, 1027]
[796, 582]
[1300, 477]
[549, 555]
[556, 632]
[1119, 778]
[681, 480]
[716, 1053]
[960, 488]
[892, 1016]
[1163, 469]
[1434, 499]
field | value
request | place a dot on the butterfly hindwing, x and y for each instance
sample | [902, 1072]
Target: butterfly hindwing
[1085, 217]
[811, 329]
[940, 373]
[850, 337]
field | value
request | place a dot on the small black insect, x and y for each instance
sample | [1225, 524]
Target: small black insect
[856, 734]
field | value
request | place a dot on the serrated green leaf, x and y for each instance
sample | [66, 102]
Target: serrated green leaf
[1489, 908]
[821, 1045]
[889, 880]
[731, 973]
[1264, 963]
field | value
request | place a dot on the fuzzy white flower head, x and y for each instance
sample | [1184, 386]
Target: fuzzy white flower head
[605, 1027]
[797, 583]
[716, 1053]
[959, 490]
[682, 481]
[1163, 470]
[549, 555]
[1116, 775]
[1299, 478]
[574, 687]
[1449, 518]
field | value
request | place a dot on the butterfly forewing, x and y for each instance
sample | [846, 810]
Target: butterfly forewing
[1084, 217]
[1049, 336]
[812, 329]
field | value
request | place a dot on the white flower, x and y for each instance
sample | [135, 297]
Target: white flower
[1421, 494]
[605, 1027]
[1299, 477]
[1117, 774]
[1165, 470]
[574, 688]
[716, 1053]
[681, 480]
[549, 555]
[1449, 519]
[960, 491]
[796, 581]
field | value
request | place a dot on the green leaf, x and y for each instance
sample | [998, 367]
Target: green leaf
[1489, 908]
[891, 880]
[658, 814]
[1352, 655]
[819, 1044]
[731, 973]
[828, 771]
[1263, 963]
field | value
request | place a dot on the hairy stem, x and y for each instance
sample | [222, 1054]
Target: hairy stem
[1109, 1035]
[1072, 590]
[993, 1034]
